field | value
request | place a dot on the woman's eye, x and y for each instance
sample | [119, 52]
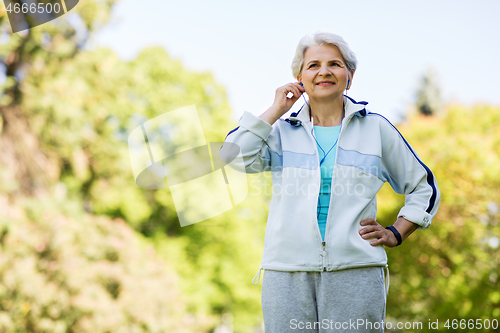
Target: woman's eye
[312, 65]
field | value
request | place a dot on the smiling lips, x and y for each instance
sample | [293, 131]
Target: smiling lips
[325, 83]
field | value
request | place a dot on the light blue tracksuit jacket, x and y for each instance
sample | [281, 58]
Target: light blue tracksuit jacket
[370, 152]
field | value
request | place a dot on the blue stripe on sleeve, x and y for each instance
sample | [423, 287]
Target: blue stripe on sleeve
[430, 176]
[231, 131]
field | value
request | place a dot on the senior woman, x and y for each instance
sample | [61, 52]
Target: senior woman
[324, 251]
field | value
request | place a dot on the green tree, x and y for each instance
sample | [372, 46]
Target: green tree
[108, 99]
[62, 270]
[429, 94]
[31, 51]
[66, 118]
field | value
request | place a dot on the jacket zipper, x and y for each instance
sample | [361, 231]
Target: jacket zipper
[334, 166]
[324, 253]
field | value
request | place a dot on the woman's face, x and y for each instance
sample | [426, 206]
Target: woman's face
[324, 73]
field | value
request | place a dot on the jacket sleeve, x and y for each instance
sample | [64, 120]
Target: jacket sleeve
[257, 141]
[408, 175]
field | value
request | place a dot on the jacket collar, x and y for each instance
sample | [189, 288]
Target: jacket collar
[351, 107]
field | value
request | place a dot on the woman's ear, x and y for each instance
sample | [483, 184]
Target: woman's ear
[350, 74]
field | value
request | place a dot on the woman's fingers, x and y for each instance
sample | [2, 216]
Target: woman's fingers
[296, 92]
[374, 234]
[282, 100]
[381, 241]
[375, 230]
[369, 228]
[369, 221]
[299, 88]
[291, 88]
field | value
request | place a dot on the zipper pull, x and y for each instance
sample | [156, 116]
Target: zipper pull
[323, 254]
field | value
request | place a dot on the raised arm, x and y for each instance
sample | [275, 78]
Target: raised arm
[256, 137]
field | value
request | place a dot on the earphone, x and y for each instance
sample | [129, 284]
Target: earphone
[293, 120]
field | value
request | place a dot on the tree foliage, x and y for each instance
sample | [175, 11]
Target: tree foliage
[66, 271]
[429, 94]
[66, 119]
[22, 54]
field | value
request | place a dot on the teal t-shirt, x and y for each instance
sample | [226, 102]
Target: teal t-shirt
[326, 138]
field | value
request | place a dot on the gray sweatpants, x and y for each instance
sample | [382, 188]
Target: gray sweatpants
[351, 300]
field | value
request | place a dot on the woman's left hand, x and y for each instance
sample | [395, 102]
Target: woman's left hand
[375, 230]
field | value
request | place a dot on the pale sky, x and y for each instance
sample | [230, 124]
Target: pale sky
[249, 45]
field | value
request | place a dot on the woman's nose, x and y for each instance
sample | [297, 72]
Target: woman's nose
[324, 70]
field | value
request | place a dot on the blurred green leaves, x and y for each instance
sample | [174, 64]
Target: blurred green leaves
[64, 139]
[66, 271]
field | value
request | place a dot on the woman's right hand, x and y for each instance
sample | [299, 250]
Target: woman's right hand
[282, 103]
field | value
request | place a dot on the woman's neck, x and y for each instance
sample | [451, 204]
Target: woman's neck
[327, 112]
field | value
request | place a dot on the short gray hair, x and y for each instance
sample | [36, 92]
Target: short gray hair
[323, 38]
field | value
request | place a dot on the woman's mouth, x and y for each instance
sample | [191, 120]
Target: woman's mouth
[325, 83]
